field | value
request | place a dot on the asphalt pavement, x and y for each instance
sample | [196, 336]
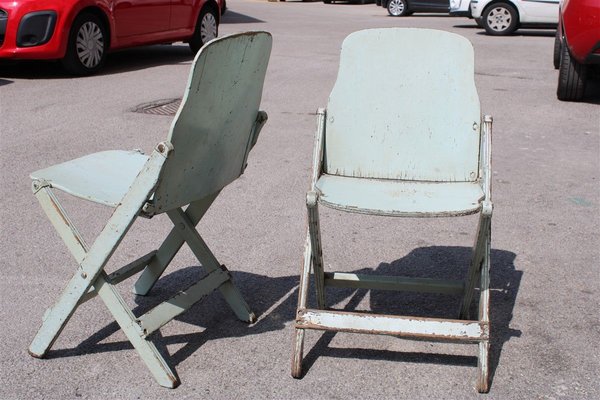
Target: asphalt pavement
[545, 242]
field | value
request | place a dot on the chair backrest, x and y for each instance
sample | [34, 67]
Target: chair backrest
[212, 131]
[404, 106]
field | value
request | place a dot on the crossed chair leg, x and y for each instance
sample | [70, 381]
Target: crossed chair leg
[91, 279]
[459, 330]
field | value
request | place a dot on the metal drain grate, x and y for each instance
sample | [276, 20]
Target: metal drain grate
[159, 107]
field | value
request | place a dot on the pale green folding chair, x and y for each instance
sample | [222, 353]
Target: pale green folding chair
[207, 148]
[402, 136]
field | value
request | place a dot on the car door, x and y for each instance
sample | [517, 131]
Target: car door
[182, 14]
[540, 11]
[431, 5]
[141, 17]
[442, 5]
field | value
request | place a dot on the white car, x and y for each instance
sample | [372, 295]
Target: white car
[503, 17]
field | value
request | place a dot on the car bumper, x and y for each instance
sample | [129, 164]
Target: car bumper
[460, 8]
[475, 9]
[31, 30]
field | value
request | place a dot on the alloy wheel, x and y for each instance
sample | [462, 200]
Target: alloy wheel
[499, 19]
[396, 7]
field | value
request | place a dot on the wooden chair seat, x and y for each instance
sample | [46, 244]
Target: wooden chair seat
[399, 198]
[104, 177]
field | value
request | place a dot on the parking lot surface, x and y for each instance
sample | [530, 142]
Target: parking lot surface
[545, 235]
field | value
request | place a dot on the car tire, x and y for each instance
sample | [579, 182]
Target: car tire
[87, 45]
[557, 50]
[327, 1]
[500, 19]
[571, 77]
[397, 8]
[207, 28]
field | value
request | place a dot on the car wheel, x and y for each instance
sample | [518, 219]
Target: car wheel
[500, 19]
[327, 1]
[87, 45]
[207, 28]
[557, 50]
[397, 8]
[571, 77]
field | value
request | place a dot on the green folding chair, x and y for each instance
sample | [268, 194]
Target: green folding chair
[402, 136]
[215, 128]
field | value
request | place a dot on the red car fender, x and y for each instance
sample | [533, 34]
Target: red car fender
[580, 27]
[200, 4]
[72, 12]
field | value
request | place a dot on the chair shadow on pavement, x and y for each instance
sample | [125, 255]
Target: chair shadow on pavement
[438, 262]
[274, 302]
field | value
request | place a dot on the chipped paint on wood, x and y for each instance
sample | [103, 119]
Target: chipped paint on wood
[390, 135]
[166, 311]
[132, 189]
[431, 328]
[398, 283]
[402, 160]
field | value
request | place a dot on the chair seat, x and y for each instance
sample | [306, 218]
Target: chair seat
[103, 177]
[399, 198]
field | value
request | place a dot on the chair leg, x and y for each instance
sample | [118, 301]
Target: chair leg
[317, 253]
[169, 248]
[57, 317]
[480, 253]
[63, 225]
[297, 355]
[480, 263]
[150, 355]
[92, 262]
[208, 260]
[483, 367]
[78, 286]
[484, 310]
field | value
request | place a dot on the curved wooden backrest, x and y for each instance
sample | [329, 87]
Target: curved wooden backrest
[404, 106]
[212, 131]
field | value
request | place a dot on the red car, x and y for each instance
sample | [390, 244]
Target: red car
[81, 32]
[577, 46]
